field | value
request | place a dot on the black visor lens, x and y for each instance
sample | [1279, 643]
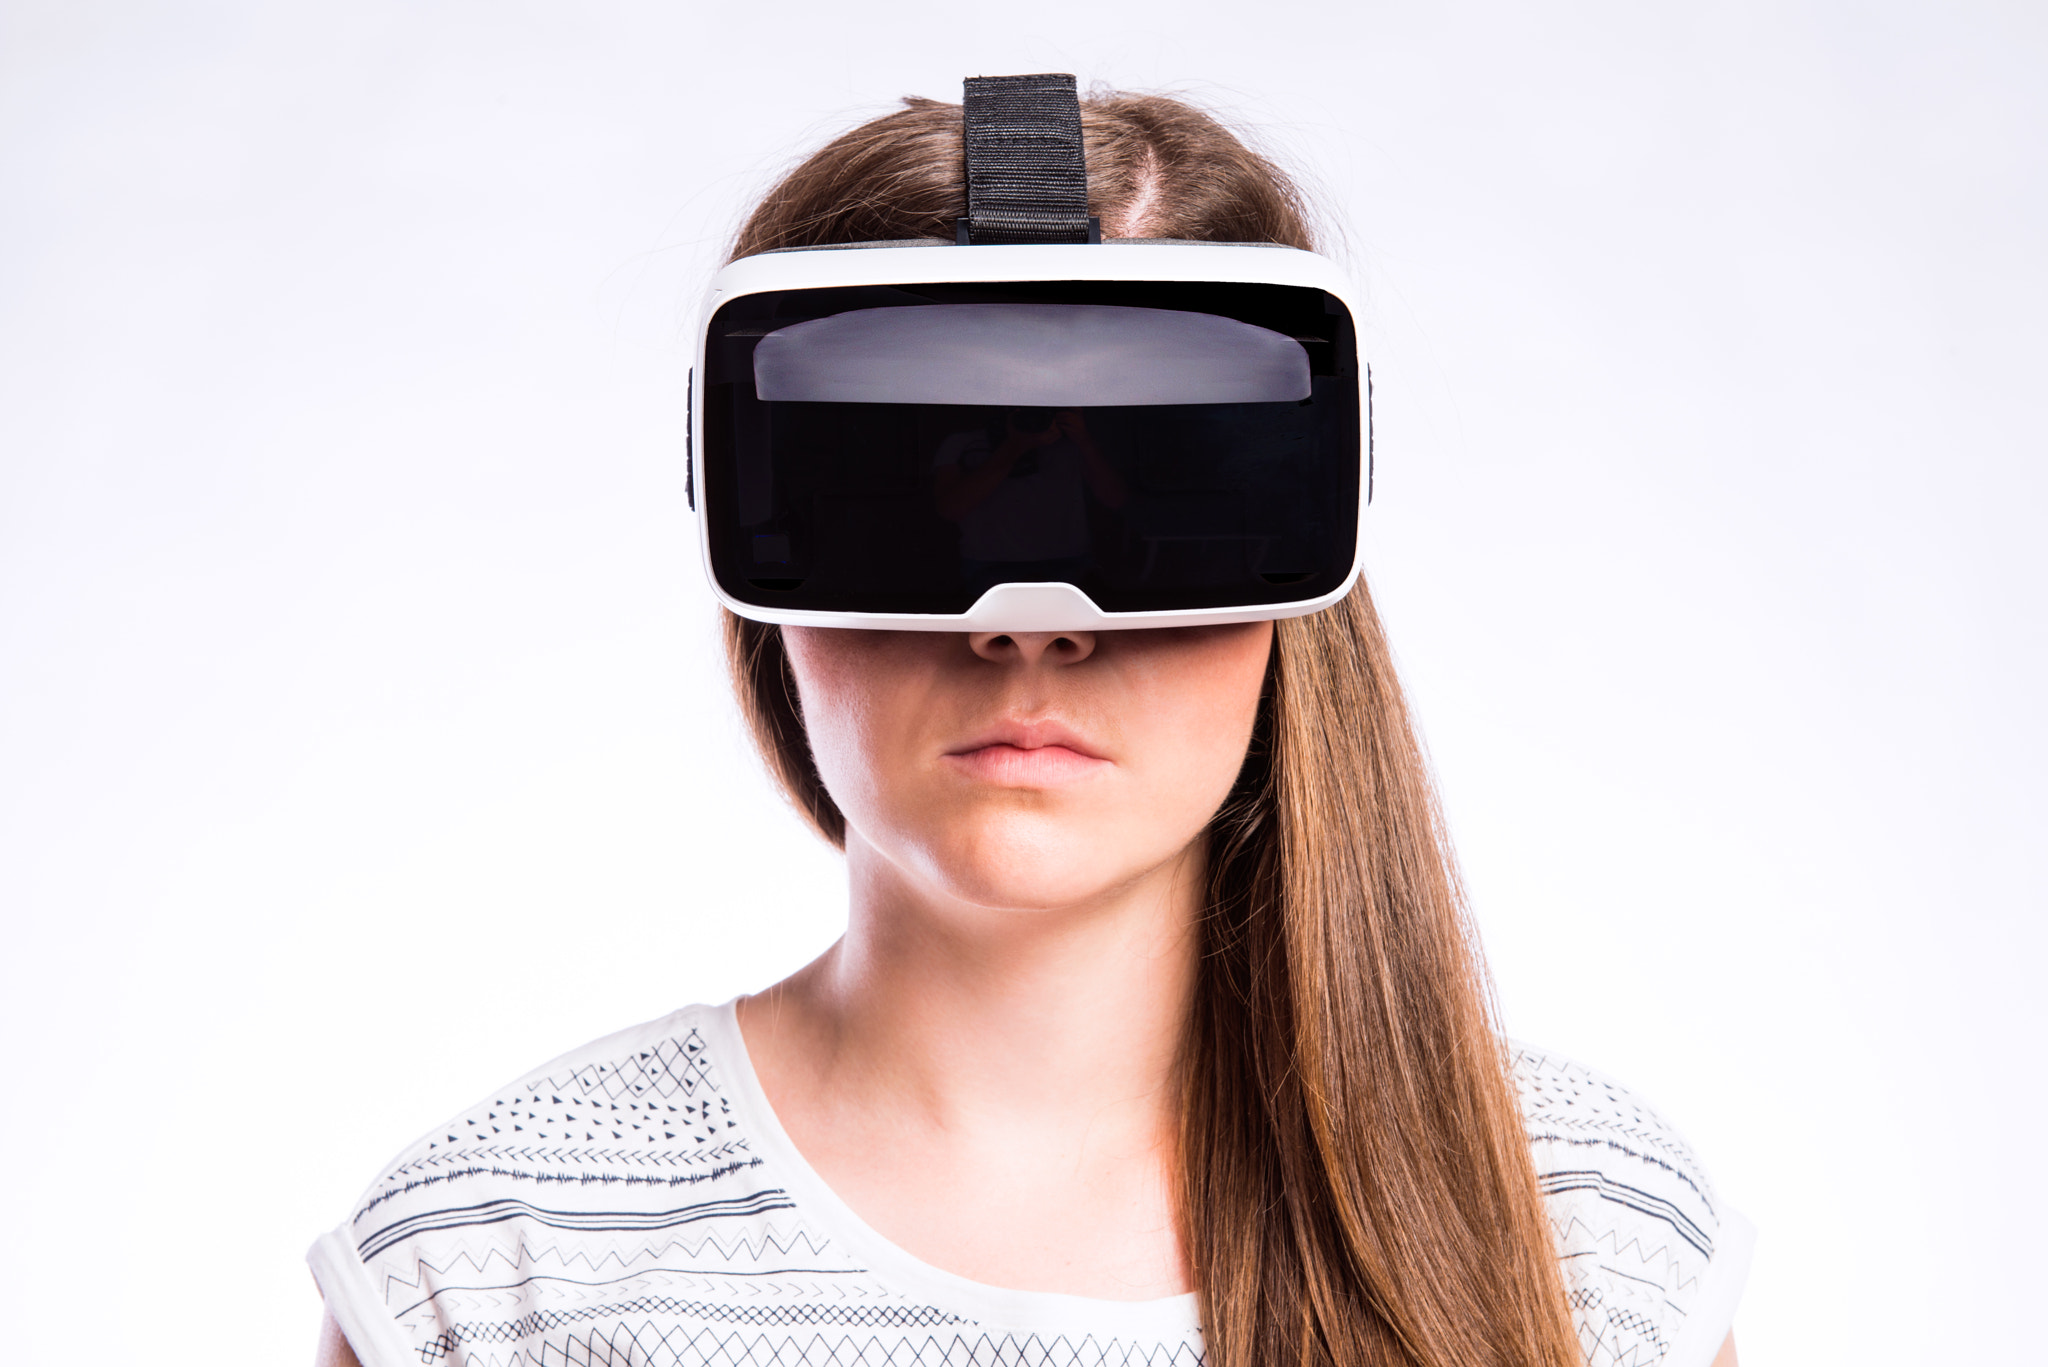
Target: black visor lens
[877, 506]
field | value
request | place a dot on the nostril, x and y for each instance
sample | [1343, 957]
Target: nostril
[1032, 646]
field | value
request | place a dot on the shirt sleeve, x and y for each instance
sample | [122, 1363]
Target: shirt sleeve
[1653, 1261]
[345, 1285]
[445, 1238]
[1713, 1316]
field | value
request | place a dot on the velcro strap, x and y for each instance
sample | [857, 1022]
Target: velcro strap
[1026, 180]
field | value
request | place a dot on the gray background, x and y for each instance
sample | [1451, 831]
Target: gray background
[362, 733]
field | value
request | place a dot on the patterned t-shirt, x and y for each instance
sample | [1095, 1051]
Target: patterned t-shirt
[636, 1204]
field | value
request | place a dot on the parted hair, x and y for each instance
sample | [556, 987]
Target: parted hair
[1355, 1187]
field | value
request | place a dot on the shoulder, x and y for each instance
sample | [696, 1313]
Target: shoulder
[1653, 1261]
[651, 1082]
[570, 1176]
[1594, 1128]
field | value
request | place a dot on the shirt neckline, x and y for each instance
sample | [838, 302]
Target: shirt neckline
[1165, 1317]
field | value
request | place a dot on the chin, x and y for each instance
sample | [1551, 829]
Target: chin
[1025, 862]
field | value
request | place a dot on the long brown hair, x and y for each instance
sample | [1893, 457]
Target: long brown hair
[1355, 1182]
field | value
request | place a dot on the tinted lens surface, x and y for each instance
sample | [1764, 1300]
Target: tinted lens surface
[921, 508]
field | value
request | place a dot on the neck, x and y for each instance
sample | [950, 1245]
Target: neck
[992, 1087]
[964, 1016]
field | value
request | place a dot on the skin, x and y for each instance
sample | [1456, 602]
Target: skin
[1016, 902]
[1025, 851]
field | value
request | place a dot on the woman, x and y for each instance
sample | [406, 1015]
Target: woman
[1158, 1032]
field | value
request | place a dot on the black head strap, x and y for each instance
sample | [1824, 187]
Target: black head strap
[1026, 181]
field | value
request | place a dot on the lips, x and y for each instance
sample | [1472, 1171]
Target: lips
[1028, 755]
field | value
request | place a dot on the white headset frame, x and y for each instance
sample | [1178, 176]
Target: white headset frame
[1027, 607]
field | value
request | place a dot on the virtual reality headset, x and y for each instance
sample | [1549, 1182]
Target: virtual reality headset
[1029, 429]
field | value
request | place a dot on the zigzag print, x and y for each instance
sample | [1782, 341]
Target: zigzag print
[649, 1346]
[1674, 1281]
[847, 1290]
[763, 1316]
[1633, 1198]
[606, 1221]
[522, 1255]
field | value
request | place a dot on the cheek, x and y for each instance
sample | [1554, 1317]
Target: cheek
[1190, 721]
[861, 708]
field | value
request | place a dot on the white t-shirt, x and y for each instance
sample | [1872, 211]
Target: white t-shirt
[636, 1202]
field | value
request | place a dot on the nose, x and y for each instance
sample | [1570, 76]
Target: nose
[1032, 647]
